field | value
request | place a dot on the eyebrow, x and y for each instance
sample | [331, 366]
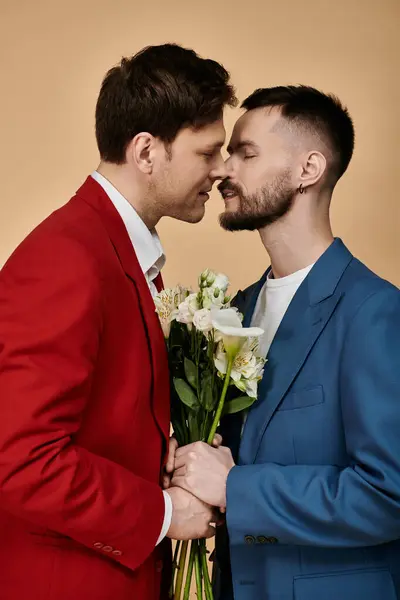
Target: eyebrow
[242, 144]
[216, 146]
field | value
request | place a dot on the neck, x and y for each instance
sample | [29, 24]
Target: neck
[132, 189]
[298, 239]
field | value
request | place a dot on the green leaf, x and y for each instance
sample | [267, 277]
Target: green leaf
[186, 394]
[206, 394]
[191, 372]
[237, 404]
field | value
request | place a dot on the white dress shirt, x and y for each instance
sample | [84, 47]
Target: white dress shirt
[151, 258]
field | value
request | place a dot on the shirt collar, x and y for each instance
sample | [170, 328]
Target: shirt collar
[146, 243]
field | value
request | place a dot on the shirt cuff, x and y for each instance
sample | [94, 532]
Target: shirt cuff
[167, 517]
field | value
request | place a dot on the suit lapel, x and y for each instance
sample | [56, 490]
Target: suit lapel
[92, 193]
[309, 312]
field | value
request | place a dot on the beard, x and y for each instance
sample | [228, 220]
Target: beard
[266, 206]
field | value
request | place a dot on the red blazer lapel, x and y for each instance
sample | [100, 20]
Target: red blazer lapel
[92, 193]
[158, 282]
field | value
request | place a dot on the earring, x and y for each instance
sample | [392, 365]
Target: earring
[301, 189]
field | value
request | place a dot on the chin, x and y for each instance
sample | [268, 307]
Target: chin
[194, 217]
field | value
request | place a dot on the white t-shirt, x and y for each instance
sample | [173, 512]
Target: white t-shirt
[273, 302]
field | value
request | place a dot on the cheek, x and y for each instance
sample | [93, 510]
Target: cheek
[255, 175]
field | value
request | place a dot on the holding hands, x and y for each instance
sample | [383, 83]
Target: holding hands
[195, 478]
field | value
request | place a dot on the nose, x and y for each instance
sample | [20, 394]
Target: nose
[228, 166]
[219, 171]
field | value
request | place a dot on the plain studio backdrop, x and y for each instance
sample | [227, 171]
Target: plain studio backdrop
[54, 55]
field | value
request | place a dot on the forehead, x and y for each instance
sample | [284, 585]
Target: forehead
[255, 126]
[209, 136]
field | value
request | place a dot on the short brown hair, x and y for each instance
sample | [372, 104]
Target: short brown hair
[159, 90]
[310, 108]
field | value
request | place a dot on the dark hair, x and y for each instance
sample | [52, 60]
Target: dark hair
[160, 90]
[322, 113]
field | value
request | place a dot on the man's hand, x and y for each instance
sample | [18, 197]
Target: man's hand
[203, 471]
[170, 466]
[191, 518]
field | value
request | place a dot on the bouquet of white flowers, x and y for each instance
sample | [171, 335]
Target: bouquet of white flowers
[215, 369]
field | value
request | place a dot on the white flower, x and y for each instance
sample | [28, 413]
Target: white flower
[187, 309]
[221, 282]
[202, 320]
[167, 302]
[213, 297]
[234, 335]
[247, 368]
[213, 280]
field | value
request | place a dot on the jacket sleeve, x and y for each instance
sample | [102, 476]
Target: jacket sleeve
[325, 505]
[50, 327]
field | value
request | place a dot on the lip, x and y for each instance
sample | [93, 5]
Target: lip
[229, 195]
[204, 195]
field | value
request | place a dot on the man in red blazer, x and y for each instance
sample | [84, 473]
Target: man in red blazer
[84, 403]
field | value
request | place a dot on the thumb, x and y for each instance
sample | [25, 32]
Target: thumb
[210, 532]
[217, 441]
[173, 446]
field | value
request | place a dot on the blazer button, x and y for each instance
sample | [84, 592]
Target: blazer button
[98, 545]
[249, 539]
[272, 540]
[117, 552]
[262, 539]
[107, 548]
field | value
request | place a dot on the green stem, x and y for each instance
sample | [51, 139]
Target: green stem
[174, 568]
[221, 402]
[193, 549]
[183, 416]
[203, 427]
[197, 570]
[206, 577]
[181, 571]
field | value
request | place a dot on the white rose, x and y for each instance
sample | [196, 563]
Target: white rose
[221, 282]
[187, 309]
[202, 320]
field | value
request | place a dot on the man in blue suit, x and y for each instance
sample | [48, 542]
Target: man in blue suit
[311, 478]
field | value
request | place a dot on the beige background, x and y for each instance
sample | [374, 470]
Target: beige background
[54, 54]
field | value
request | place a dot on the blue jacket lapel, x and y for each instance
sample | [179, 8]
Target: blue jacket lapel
[305, 319]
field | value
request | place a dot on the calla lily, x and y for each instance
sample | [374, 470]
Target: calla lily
[234, 335]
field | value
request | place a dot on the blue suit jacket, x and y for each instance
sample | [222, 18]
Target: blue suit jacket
[313, 505]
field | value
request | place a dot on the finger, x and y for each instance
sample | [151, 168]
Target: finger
[183, 456]
[215, 516]
[182, 452]
[173, 446]
[180, 482]
[210, 533]
[181, 472]
[217, 441]
[166, 482]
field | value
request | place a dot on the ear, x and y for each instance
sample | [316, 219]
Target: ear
[313, 169]
[141, 152]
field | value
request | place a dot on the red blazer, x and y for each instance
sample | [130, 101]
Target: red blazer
[84, 413]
